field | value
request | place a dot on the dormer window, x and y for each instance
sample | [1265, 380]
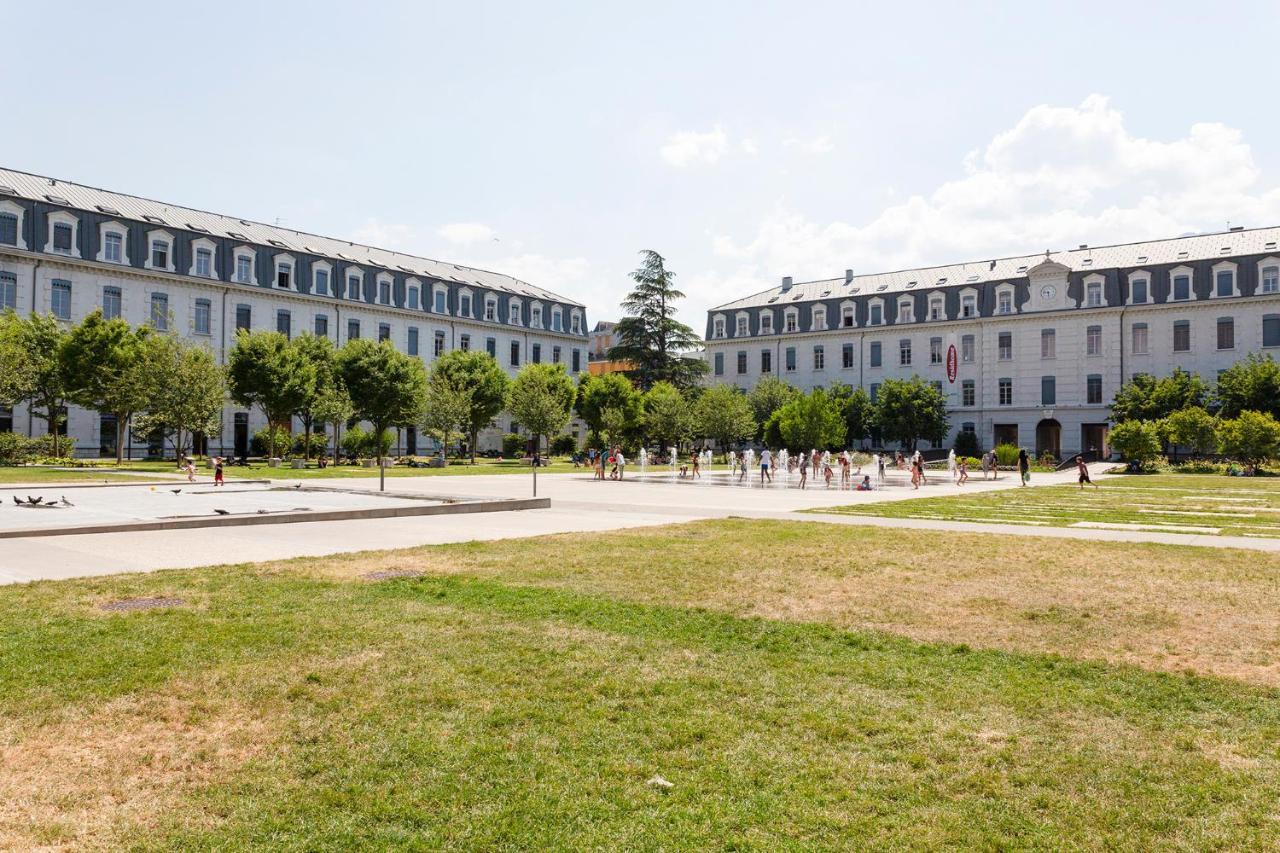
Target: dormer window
[905, 314]
[575, 320]
[717, 327]
[464, 303]
[935, 309]
[160, 254]
[1138, 291]
[557, 322]
[320, 279]
[439, 301]
[355, 286]
[11, 216]
[113, 247]
[791, 321]
[62, 238]
[284, 272]
[413, 296]
[766, 322]
[819, 318]
[1004, 302]
[1224, 279]
[535, 316]
[876, 314]
[244, 268]
[514, 314]
[1181, 287]
[384, 291]
[968, 305]
[1269, 276]
[742, 327]
[1093, 294]
[491, 309]
[204, 262]
[847, 317]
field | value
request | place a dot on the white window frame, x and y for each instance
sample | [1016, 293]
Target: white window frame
[878, 302]
[766, 322]
[818, 318]
[575, 322]
[327, 268]
[909, 314]
[791, 320]
[211, 247]
[1095, 284]
[390, 282]
[113, 227]
[1101, 345]
[1139, 275]
[515, 312]
[195, 305]
[1003, 291]
[968, 296]
[849, 308]
[535, 315]
[436, 290]
[939, 302]
[19, 211]
[238, 253]
[160, 235]
[1146, 339]
[61, 217]
[557, 318]
[718, 327]
[279, 260]
[490, 314]
[412, 286]
[1262, 265]
[741, 324]
[1191, 283]
[348, 274]
[1225, 266]
[466, 292]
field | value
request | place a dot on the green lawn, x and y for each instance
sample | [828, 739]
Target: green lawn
[1178, 503]
[521, 694]
[35, 474]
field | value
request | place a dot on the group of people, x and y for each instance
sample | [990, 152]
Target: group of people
[613, 459]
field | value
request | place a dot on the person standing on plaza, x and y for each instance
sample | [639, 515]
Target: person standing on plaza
[962, 471]
[1024, 466]
[697, 467]
[620, 461]
[218, 464]
[1083, 471]
[804, 469]
[766, 463]
[986, 463]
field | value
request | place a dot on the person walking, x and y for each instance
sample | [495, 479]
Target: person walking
[1083, 470]
[766, 462]
[218, 464]
[986, 463]
[880, 469]
[1024, 466]
[804, 470]
[620, 461]
[962, 471]
[697, 467]
[915, 473]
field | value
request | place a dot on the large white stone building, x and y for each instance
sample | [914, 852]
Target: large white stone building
[68, 249]
[1037, 344]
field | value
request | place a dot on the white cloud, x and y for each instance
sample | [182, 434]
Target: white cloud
[818, 145]
[1059, 177]
[749, 147]
[465, 233]
[688, 147]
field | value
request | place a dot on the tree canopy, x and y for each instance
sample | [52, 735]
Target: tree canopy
[768, 396]
[187, 389]
[812, 421]
[1146, 398]
[668, 417]
[908, 410]
[597, 395]
[649, 337]
[387, 388]
[1250, 385]
[723, 413]
[107, 369]
[265, 370]
[1137, 442]
[481, 374]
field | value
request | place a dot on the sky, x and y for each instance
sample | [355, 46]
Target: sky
[742, 141]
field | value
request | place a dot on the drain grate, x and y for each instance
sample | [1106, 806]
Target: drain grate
[126, 604]
[393, 573]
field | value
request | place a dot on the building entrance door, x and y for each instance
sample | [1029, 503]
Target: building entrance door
[1093, 437]
[1049, 438]
[241, 436]
[1005, 434]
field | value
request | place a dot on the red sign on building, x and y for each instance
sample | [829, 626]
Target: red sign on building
[953, 364]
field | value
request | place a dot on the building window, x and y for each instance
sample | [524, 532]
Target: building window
[1048, 343]
[1139, 339]
[875, 391]
[464, 343]
[284, 276]
[113, 247]
[1004, 345]
[766, 361]
[1048, 390]
[413, 341]
[353, 330]
[719, 364]
[1138, 291]
[904, 352]
[1093, 294]
[440, 301]
[60, 299]
[1006, 392]
[577, 360]
[160, 254]
[819, 319]
[935, 350]
[968, 306]
[515, 353]
[491, 347]
[321, 286]
[876, 314]
[935, 309]
[846, 316]
[790, 360]
[1093, 389]
[322, 326]
[1004, 302]
[535, 316]
[204, 263]
[110, 303]
[555, 355]
[742, 361]
[1270, 279]
[384, 332]
[846, 356]
[354, 285]
[819, 357]
[1182, 336]
[513, 314]
[464, 305]
[766, 323]
[413, 298]
[577, 323]
[877, 354]
[284, 323]
[741, 328]
[905, 312]
[1093, 340]
[244, 269]
[491, 314]
[1226, 333]
[244, 317]
[557, 321]
[1224, 283]
[384, 291]
[1181, 287]
[1271, 330]
[966, 348]
[160, 311]
[791, 321]
[535, 354]
[62, 234]
[8, 229]
[203, 315]
[968, 395]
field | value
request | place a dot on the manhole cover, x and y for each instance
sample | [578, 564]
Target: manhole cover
[143, 603]
[393, 573]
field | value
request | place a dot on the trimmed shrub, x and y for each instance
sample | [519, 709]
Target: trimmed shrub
[319, 443]
[563, 445]
[1137, 442]
[513, 445]
[967, 444]
[260, 444]
[1007, 455]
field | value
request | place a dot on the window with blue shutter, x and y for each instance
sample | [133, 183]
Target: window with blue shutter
[8, 291]
[8, 229]
[204, 310]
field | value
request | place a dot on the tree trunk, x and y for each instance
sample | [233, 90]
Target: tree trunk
[120, 433]
[306, 439]
[475, 436]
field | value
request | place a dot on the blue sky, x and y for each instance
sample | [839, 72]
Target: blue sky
[743, 141]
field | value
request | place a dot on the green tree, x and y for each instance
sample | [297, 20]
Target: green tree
[105, 369]
[447, 409]
[541, 399]
[1146, 398]
[188, 389]
[38, 341]
[1137, 442]
[857, 410]
[1192, 428]
[649, 337]
[387, 388]
[319, 352]
[908, 410]
[668, 417]
[812, 420]
[17, 371]
[333, 406]
[768, 396]
[487, 381]
[596, 394]
[265, 370]
[1251, 437]
[1250, 385]
[722, 413]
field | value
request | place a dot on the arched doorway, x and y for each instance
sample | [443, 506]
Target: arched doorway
[1049, 438]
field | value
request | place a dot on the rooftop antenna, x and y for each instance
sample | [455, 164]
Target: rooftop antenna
[278, 221]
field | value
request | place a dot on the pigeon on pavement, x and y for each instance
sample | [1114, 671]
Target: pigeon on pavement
[34, 501]
[222, 512]
[175, 491]
[16, 501]
[66, 502]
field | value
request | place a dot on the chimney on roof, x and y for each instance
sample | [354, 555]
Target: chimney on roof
[993, 266]
[786, 283]
[848, 276]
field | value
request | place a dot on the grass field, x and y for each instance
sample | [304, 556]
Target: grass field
[1176, 503]
[28, 474]
[799, 685]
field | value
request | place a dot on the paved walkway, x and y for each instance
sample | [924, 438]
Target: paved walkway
[578, 504]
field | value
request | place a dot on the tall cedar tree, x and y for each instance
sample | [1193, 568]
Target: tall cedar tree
[649, 336]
